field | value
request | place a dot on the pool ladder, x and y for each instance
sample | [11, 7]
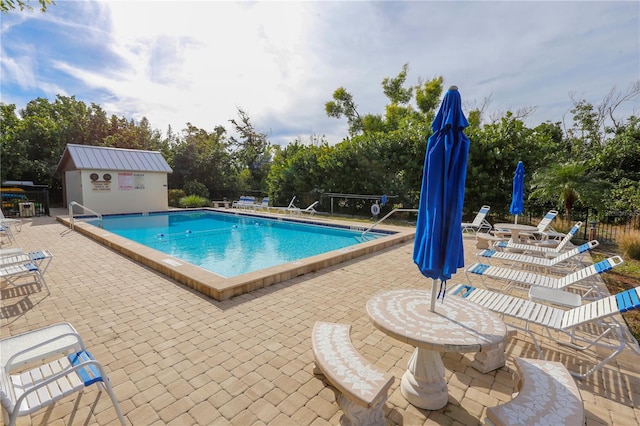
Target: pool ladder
[71, 221]
[386, 216]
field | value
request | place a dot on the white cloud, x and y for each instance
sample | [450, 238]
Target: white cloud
[177, 62]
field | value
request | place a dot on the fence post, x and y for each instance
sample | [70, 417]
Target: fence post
[592, 230]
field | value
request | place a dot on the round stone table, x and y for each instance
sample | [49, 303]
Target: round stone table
[457, 325]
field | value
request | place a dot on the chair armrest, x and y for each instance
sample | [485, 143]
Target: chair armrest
[38, 345]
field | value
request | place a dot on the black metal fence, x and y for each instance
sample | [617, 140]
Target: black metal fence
[35, 204]
[607, 227]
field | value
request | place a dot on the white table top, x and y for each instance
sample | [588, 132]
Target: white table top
[516, 226]
[456, 325]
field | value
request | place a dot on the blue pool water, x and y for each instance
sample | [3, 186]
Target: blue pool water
[229, 244]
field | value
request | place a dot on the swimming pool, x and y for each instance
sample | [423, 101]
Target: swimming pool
[220, 287]
[231, 245]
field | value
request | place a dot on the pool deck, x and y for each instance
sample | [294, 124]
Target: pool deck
[177, 357]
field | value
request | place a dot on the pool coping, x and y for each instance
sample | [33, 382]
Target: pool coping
[222, 288]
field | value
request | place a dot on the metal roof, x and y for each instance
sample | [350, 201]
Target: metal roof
[79, 157]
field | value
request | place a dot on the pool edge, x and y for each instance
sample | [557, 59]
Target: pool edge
[221, 288]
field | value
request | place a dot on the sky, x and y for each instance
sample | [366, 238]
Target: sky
[198, 62]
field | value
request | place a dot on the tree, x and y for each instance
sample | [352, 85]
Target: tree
[343, 104]
[568, 184]
[252, 151]
[8, 5]
[201, 159]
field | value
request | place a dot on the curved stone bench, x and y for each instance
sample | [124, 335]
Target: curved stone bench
[363, 388]
[547, 395]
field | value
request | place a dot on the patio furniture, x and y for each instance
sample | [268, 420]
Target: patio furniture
[547, 247]
[310, 209]
[245, 202]
[547, 395]
[514, 277]
[363, 389]
[523, 260]
[479, 222]
[15, 274]
[454, 326]
[566, 322]
[23, 392]
[41, 258]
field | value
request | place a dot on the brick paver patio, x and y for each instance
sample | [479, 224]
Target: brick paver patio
[176, 357]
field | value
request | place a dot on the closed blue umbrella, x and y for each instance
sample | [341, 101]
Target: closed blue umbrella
[517, 196]
[438, 249]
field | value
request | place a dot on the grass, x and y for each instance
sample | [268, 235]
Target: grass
[621, 278]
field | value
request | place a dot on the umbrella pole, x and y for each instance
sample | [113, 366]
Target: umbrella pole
[516, 220]
[434, 295]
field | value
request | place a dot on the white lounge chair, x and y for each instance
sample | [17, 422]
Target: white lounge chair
[25, 388]
[479, 223]
[311, 209]
[15, 273]
[519, 259]
[285, 209]
[264, 205]
[16, 223]
[564, 321]
[40, 258]
[528, 279]
[539, 247]
[245, 201]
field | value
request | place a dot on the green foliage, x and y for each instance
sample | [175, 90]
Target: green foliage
[568, 184]
[9, 5]
[343, 104]
[193, 187]
[253, 151]
[589, 165]
[192, 201]
[394, 90]
[174, 197]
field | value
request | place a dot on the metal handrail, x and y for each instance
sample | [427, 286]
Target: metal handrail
[386, 216]
[73, 203]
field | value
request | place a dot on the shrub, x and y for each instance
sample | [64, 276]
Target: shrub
[193, 187]
[630, 245]
[174, 197]
[191, 201]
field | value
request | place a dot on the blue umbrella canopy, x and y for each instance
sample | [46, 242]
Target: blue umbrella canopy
[438, 250]
[517, 196]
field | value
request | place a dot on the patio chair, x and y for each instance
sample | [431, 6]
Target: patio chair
[15, 274]
[538, 246]
[40, 258]
[311, 210]
[4, 221]
[515, 277]
[479, 223]
[30, 380]
[566, 322]
[567, 258]
[264, 205]
[245, 201]
[5, 230]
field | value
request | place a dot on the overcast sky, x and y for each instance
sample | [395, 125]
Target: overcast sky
[177, 61]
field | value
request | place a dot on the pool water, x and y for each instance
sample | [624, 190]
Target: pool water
[231, 244]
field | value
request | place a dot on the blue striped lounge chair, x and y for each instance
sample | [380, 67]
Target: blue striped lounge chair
[566, 258]
[545, 247]
[480, 222]
[568, 322]
[523, 278]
